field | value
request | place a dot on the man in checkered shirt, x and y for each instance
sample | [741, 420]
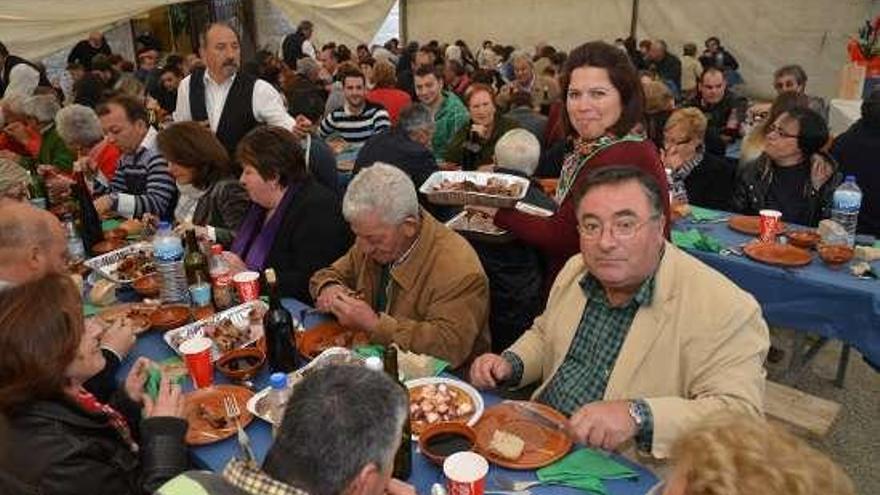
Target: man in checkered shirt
[639, 340]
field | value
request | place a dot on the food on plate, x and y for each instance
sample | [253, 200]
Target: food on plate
[133, 227]
[347, 338]
[477, 221]
[507, 445]
[227, 333]
[133, 318]
[437, 402]
[495, 186]
[103, 293]
[136, 265]
[213, 417]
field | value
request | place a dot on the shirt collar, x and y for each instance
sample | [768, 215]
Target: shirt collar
[248, 477]
[593, 290]
[209, 80]
[149, 141]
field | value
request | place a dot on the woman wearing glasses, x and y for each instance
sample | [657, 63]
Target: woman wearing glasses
[793, 175]
[708, 179]
[604, 103]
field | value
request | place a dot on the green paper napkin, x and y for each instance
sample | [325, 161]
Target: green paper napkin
[89, 309]
[154, 376]
[585, 469]
[694, 239]
[108, 225]
[379, 351]
[699, 214]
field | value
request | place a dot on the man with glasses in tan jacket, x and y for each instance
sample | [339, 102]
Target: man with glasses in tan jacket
[639, 340]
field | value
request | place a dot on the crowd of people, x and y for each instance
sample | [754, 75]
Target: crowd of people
[590, 307]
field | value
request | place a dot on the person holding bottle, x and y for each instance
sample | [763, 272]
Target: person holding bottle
[211, 201]
[293, 224]
[793, 175]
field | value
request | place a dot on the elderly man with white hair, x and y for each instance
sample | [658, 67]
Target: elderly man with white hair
[408, 280]
[518, 152]
[544, 89]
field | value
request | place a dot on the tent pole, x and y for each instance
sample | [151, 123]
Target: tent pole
[401, 22]
[635, 19]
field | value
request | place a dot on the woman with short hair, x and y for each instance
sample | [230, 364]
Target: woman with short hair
[211, 200]
[793, 175]
[385, 92]
[80, 129]
[68, 441]
[294, 224]
[474, 144]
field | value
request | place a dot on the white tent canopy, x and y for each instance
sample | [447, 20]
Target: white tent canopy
[762, 35]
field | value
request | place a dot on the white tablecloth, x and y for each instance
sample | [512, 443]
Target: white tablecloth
[842, 114]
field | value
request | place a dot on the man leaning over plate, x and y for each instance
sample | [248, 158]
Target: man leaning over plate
[639, 340]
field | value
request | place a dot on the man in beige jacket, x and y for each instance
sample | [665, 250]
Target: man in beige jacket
[420, 284]
[639, 340]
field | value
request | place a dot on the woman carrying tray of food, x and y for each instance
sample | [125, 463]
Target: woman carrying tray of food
[474, 144]
[604, 109]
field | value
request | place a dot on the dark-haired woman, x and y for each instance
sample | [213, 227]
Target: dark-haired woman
[793, 175]
[294, 224]
[65, 440]
[211, 200]
[604, 103]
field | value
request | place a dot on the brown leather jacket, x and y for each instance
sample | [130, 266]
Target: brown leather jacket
[438, 298]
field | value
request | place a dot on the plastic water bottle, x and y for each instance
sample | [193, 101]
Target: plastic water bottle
[168, 253]
[845, 206]
[76, 250]
[278, 395]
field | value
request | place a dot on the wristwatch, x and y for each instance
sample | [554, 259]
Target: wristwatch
[638, 413]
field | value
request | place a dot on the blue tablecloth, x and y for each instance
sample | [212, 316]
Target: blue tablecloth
[815, 298]
[215, 456]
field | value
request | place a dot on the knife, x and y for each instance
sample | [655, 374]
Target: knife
[530, 413]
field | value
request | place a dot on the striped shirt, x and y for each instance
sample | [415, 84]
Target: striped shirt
[142, 182]
[356, 128]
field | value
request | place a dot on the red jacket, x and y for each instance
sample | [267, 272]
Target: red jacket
[557, 236]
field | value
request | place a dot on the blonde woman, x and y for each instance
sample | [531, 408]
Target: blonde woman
[740, 455]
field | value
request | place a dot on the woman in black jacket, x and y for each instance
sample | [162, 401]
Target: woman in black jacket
[294, 224]
[60, 438]
[211, 200]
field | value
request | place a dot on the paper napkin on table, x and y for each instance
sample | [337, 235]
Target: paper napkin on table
[412, 365]
[694, 239]
[585, 469]
[699, 214]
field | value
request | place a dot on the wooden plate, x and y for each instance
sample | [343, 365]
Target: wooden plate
[148, 285]
[168, 317]
[105, 247]
[750, 225]
[777, 254]
[326, 335]
[200, 431]
[138, 316]
[806, 239]
[544, 445]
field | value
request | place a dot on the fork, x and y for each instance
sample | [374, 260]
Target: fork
[234, 413]
[506, 483]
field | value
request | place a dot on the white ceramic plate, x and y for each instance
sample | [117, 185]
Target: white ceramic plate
[451, 382]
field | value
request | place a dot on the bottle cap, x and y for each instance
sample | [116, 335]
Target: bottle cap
[216, 248]
[163, 225]
[278, 380]
[374, 363]
[850, 178]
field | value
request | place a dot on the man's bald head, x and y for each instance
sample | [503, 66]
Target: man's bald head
[32, 243]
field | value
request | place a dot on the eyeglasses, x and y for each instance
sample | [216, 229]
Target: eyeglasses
[621, 229]
[779, 132]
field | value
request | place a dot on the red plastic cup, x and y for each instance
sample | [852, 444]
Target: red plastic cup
[465, 473]
[248, 285]
[769, 226]
[197, 355]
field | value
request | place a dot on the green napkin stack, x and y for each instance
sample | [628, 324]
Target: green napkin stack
[154, 376]
[694, 239]
[585, 469]
[703, 215]
[379, 351]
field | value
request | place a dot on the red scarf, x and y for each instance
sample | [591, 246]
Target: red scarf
[115, 419]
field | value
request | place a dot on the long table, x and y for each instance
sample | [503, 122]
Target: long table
[830, 303]
[214, 456]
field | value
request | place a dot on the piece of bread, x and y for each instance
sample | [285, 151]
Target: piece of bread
[507, 445]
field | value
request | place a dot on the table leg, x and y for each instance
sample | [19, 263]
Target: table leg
[801, 358]
[842, 365]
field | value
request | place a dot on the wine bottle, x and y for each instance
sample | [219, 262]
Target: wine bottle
[278, 327]
[195, 262]
[90, 221]
[403, 456]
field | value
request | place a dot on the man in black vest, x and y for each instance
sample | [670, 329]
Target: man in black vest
[18, 76]
[230, 102]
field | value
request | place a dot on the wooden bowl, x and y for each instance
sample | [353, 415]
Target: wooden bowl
[835, 255]
[169, 317]
[105, 247]
[120, 234]
[806, 239]
[446, 428]
[148, 286]
[241, 364]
